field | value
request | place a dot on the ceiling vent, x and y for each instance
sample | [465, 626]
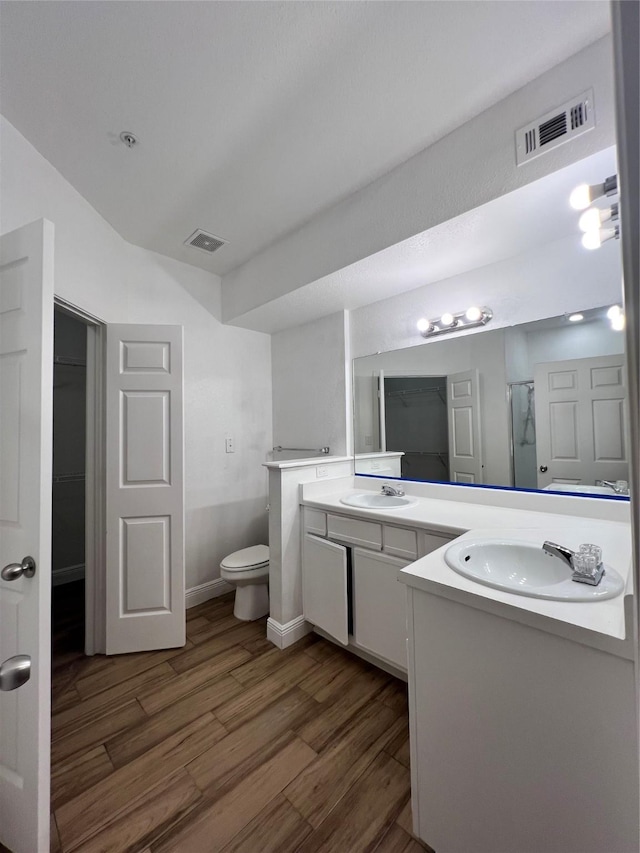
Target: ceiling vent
[208, 243]
[556, 127]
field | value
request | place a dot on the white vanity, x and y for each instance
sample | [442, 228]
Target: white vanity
[522, 710]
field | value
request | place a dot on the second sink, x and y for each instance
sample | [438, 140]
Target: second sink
[524, 568]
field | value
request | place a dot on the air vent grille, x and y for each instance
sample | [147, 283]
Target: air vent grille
[208, 243]
[555, 128]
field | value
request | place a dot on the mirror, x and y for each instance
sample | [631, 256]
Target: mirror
[536, 406]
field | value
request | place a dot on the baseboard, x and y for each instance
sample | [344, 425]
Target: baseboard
[286, 635]
[205, 591]
[68, 574]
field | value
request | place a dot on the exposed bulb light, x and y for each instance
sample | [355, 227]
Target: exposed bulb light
[575, 318]
[448, 319]
[473, 314]
[618, 322]
[614, 311]
[594, 239]
[595, 216]
[583, 195]
[580, 198]
[423, 325]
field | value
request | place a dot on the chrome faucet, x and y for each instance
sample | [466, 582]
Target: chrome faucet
[392, 490]
[560, 551]
[579, 573]
[620, 487]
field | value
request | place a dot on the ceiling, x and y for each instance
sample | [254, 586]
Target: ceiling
[253, 117]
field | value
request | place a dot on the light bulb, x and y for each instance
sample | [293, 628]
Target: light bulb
[614, 312]
[590, 220]
[447, 319]
[575, 318]
[617, 322]
[423, 325]
[592, 239]
[580, 198]
[473, 314]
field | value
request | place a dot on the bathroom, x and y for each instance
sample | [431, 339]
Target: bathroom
[285, 378]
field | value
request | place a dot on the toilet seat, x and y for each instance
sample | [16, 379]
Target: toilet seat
[247, 559]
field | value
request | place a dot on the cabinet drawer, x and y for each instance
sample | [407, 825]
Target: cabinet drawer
[315, 521]
[429, 542]
[357, 532]
[400, 542]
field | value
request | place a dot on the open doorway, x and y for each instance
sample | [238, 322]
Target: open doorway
[68, 521]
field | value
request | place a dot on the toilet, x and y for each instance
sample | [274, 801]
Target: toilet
[248, 571]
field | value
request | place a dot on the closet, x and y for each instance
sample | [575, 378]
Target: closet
[68, 486]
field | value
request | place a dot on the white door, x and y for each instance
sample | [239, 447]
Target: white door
[465, 440]
[26, 411]
[144, 489]
[324, 586]
[580, 421]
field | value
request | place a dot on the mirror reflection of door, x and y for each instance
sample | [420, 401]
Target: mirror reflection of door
[415, 421]
[580, 415]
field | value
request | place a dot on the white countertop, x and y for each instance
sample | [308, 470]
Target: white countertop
[602, 623]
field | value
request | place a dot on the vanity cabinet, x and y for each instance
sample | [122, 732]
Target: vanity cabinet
[379, 606]
[350, 585]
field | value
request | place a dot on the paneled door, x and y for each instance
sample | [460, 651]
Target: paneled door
[144, 489]
[581, 421]
[26, 401]
[465, 440]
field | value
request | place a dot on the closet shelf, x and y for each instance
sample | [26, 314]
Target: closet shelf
[75, 477]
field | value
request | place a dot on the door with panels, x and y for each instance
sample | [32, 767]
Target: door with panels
[145, 606]
[580, 407]
[465, 440]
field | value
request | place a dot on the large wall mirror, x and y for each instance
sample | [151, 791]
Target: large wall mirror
[536, 406]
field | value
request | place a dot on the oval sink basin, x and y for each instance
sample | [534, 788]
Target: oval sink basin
[371, 500]
[525, 569]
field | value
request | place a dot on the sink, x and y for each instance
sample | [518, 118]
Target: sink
[371, 500]
[525, 569]
[582, 490]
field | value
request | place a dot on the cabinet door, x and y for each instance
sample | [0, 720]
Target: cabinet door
[324, 586]
[380, 605]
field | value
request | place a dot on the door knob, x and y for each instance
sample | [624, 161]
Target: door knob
[14, 672]
[544, 469]
[16, 570]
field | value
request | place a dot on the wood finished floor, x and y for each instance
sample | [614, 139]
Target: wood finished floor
[228, 744]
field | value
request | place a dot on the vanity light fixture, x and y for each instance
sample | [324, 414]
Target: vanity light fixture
[584, 194]
[575, 318]
[449, 322]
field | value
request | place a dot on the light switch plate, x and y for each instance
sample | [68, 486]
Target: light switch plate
[322, 471]
[229, 445]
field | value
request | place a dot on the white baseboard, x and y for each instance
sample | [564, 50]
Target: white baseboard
[68, 574]
[286, 635]
[205, 591]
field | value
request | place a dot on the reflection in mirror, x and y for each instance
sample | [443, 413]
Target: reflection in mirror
[536, 406]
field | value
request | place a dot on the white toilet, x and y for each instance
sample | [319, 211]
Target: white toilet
[248, 571]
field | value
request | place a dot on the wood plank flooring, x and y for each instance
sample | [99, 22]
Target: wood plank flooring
[229, 745]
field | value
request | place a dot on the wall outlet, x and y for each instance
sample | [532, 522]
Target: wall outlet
[229, 445]
[322, 471]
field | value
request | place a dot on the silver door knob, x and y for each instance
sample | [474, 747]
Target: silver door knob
[13, 571]
[15, 672]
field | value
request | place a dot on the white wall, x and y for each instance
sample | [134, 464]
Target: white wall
[227, 370]
[471, 166]
[309, 367]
